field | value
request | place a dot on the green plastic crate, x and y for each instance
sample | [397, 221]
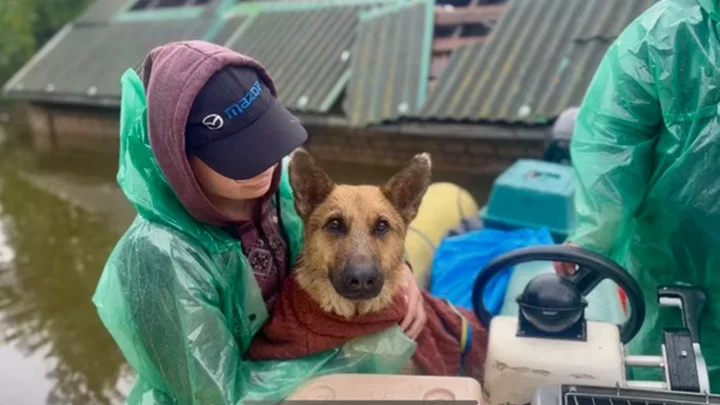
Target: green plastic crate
[533, 194]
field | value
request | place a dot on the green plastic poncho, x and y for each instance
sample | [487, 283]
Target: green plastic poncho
[647, 152]
[181, 301]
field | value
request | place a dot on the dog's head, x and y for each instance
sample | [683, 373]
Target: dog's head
[354, 244]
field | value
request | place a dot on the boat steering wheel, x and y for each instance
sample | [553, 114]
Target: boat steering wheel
[592, 269]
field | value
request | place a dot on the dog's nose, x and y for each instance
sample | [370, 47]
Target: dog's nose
[360, 282]
[359, 279]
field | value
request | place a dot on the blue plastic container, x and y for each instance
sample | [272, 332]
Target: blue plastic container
[533, 194]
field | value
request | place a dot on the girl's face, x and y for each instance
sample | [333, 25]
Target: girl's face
[216, 185]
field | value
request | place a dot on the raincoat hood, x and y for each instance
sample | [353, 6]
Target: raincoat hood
[173, 75]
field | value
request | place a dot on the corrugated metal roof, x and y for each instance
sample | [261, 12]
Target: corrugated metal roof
[306, 45]
[607, 21]
[390, 63]
[105, 10]
[102, 10]
[86, 65]
[307, 52]
[539, 60]
[229, 27]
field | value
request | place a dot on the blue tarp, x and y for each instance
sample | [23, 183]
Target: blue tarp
[459, 259]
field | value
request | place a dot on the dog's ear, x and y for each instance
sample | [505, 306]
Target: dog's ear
[406, 188]
[310, 184]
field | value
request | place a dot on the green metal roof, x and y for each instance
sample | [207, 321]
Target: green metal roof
[307, 52]
[227, 29]
[390, 63]
[306, 46]
[102, 10]
[269, 6]
[539, 61]
[83, 64]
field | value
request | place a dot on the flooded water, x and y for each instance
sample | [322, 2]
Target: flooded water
[53, 349]
[59, 220]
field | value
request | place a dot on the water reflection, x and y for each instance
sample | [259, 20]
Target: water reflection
[7, 254]
[51, 255]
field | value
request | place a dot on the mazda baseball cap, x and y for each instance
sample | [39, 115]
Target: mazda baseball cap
[238, 128]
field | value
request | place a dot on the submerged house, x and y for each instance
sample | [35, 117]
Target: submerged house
[475, 82]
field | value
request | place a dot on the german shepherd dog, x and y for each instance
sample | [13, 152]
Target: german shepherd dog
[349, 277]
[355, 235]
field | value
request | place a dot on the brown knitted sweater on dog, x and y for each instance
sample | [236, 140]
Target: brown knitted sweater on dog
[298, 327]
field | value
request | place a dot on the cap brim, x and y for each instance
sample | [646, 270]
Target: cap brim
[257, 147]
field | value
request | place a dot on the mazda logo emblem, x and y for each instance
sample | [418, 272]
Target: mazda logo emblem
[213, 122]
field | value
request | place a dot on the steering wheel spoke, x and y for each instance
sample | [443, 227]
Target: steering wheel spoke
[585, 280]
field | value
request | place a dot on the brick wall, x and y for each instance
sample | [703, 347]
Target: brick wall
[74, 129]
[40, 123]
[96, 131]
[465, 155]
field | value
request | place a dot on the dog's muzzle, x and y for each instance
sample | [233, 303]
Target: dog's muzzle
[358, 282]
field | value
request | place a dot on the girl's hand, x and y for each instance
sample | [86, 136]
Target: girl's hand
[565, 269]
[416, 317]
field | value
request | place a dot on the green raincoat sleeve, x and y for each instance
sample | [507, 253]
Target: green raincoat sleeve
[180, 300]
[612, 145]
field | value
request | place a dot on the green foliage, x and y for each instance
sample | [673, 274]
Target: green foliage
[26, 25]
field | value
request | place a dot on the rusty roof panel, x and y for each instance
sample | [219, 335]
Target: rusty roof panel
[306, 52]
[538, 61]
[391, 60]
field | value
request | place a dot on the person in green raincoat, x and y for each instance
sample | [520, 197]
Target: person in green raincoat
[646, 149]
[203, 159]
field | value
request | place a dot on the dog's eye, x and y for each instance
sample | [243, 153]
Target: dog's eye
[335, 225]
[381, 227]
